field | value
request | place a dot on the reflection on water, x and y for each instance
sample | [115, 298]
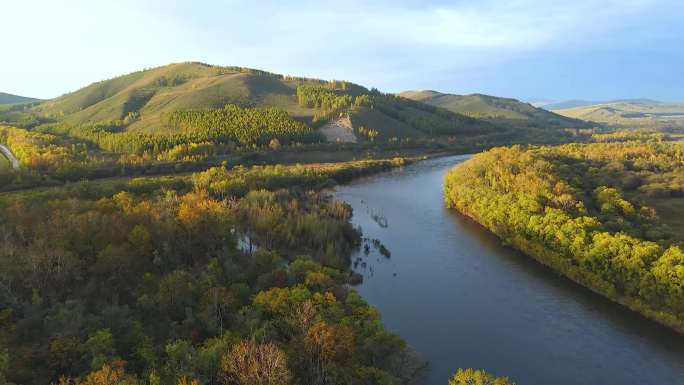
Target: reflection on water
[462, 300]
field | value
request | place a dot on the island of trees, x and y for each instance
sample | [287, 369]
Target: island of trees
[600, 213]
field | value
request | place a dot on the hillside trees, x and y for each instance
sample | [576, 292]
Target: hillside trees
[244, 126]
[45, 153]
[327, 101]
[194, 130]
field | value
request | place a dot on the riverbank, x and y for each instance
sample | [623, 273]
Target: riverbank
[338, 153]
[559, 263]
[461, 299]
[539, 201]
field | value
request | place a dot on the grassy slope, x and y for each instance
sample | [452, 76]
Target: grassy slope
[15, 99]
[491, 107]
[630, 114]
[204, 86]
[365, 117]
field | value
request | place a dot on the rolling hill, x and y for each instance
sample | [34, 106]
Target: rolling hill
[154, 92]
[142, 102]
[552, 105]
[14, 99]
[493, 108]
[641, 113]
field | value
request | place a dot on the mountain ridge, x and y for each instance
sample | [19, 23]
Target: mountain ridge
[492, 108]
[552, 105]
[143, 100]
[636, 113]
[6, 98]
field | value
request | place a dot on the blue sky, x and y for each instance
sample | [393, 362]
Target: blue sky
[528, 49]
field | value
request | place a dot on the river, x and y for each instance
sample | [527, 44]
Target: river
[462, 300]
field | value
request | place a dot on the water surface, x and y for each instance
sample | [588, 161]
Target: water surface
[462, 300]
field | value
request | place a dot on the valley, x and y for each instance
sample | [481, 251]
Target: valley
[172, 222]
[336, 193]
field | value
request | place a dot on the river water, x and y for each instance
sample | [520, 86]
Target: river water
[462, 300]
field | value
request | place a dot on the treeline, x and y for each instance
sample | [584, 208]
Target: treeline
[222, 278]
[566, 206]
[51, 155]
[325, 99]
[40, 153]
[628, 135]
[230, 126]
[244, 126]
[222, 182]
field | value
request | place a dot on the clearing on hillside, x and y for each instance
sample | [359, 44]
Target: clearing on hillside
[339, 130]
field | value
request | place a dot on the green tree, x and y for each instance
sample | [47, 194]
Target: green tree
[477, 377]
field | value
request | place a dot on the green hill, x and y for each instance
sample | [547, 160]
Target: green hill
[14, 99]
[493, 108]
[631, 114]
[153, 92]
[141, 101]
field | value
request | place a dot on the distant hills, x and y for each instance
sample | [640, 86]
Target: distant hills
[552, 105]
[493, 108]
[14, 99]
[634, 113]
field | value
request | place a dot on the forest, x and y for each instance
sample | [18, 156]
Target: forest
[241, 127]
[587, 211]
[229, 276]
